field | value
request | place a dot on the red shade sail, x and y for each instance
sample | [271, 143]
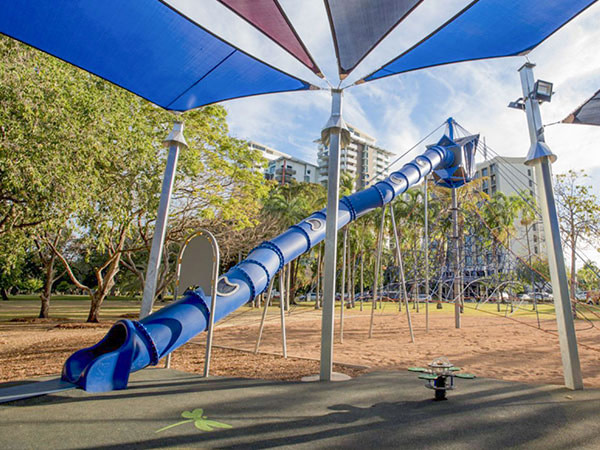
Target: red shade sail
[268, 17]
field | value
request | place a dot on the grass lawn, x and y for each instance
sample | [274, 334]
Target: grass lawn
[76, 307]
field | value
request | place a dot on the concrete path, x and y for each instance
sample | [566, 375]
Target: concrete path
[378, 410]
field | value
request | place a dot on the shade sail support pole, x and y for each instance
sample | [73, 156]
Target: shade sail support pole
[332, 134]
[175, 141]
[426, 245]
[343, 288]
[540, 157]
[455, 260]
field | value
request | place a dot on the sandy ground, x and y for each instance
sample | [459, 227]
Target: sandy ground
[489, 346]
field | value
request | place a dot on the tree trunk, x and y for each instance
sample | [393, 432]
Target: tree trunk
[47, 289]
[105, 284]
[97, 299]
[4, 294]
[45, 305]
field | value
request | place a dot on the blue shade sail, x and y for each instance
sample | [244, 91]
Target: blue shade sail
[145, 47]
[359, 25]
[487, 29]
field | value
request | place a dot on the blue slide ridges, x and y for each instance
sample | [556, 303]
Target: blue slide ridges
[129, 347]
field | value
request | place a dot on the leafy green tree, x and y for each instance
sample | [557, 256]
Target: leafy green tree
[588, 277]
[78, 151]
[578, 211]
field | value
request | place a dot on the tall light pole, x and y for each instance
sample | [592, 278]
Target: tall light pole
[540, 157]
[336, 134]
[175, 141]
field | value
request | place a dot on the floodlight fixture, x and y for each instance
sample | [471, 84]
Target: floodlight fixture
[517, 104]
[542, 91]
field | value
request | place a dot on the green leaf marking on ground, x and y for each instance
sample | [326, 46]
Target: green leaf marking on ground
[200, 421]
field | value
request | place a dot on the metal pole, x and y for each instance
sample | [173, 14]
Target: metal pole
[377, 263]
[168, 358]
[540, 156]
[264, 316]
[426, 243]
[175, 141]
[318, 294]
[455, 260]
[362, 280]
[343, 285]
[282, 311]
[288, 278]
[334, 126]
[400, 265]
[213, 301]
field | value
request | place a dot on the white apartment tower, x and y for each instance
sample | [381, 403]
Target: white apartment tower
[286, 169]
[362, 158]
[512, 177]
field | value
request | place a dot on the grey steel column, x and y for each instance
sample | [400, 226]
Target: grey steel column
[377, 269]
[426, 243]
[282, 288]
[343, 288]
[264, 316]
[175, 141]
[455, 260]
[540, 157]
[333, 131]
[401, 269]
[362, 280]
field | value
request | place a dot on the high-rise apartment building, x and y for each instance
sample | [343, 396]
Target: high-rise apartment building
[283, 167]
[362, 158]
[511, 176]
[286, 169]
[270, 154]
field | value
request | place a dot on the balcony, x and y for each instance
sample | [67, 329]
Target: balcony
[288, 171]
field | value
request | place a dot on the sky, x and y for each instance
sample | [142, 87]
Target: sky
[400, 110]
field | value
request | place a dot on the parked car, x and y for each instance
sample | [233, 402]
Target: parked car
[542, 296]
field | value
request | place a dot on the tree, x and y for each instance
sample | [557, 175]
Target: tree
[77, 150]
[290, 204]
[578, 214]
[588, 277]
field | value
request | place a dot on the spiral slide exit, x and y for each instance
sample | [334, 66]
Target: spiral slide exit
[131, 345]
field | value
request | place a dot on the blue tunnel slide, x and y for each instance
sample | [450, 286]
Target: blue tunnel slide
[131, 345]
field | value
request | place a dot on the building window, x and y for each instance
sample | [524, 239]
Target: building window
[530, 183]
[484, 172]
[528, 172]
[493, 190]
[535, 250]
[493, 179]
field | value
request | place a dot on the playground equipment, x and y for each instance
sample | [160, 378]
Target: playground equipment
[198, 266]
[440, 376]
[131, 345]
